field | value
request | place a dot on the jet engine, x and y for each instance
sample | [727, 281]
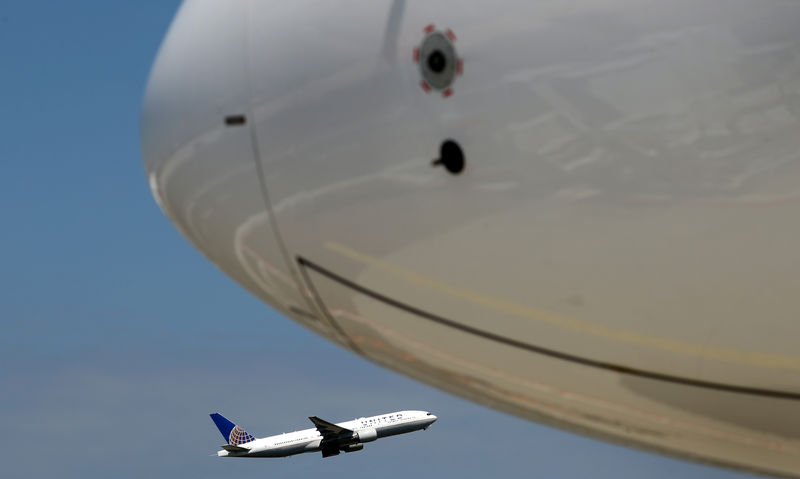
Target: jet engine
[353, 447]
[367, 435]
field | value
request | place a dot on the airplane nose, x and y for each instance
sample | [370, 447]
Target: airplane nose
[198, 150]
[196, 80]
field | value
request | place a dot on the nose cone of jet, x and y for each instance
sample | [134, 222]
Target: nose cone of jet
[196, 80]
[431, 419]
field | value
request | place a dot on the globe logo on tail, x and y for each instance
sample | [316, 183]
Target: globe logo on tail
[239, 436]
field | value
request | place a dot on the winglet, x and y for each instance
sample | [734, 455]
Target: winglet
[231, 432]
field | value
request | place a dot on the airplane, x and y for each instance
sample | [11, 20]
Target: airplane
[581, 212]
[325, 437]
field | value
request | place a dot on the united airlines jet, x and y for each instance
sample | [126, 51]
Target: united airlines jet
[326, 437]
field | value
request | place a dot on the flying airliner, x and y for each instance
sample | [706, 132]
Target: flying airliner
[325, 437]
[582, 212]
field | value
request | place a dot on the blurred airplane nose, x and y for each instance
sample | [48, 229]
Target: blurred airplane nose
[198, 152]
[197, 79]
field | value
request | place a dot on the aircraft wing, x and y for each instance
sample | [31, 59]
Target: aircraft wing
[329, 430]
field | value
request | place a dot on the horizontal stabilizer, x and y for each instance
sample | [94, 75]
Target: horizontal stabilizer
[230, 448]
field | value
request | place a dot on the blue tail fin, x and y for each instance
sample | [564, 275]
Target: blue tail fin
[231, 432]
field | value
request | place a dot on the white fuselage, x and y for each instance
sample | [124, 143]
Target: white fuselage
[308, 440]
[619, 254]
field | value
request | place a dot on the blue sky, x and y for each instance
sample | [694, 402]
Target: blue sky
[116, 333]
